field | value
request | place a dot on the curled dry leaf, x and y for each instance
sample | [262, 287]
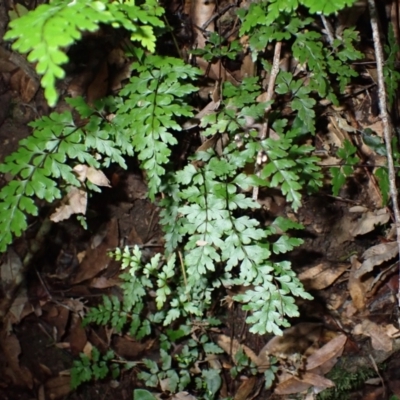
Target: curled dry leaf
[376, 255]
[322, 275]
[317, 364]
[97, 177]
[379, 337]
[75, 203]
[93, 175]
[245, 389]
[367, 222]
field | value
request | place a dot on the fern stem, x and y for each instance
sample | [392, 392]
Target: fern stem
[270, 93]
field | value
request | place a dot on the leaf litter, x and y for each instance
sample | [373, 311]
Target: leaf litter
[354, 321]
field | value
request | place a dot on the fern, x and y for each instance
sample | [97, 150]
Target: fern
[47, 31]
[42, 167]
[149, 107]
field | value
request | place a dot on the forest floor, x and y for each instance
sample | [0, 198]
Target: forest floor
[348, 334]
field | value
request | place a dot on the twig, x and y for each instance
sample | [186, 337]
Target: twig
[270, 93]
[387, 129]
[328, 29]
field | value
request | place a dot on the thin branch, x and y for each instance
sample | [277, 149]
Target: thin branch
[387, 128]
[270, 93]
[328, 29]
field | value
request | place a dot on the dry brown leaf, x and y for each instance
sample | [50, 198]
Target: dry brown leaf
[322, 275]
[97, 177]
[58, 387]
[322, 360]
[296, 339]
[245, 388]
[11, 350]
[379, 338]
[295, 385]
[366, 223]
[183, 396]
[376, 255]
[93, 175]
[332, 349]
[97, 259]
[22, 83]
[231, 347]
[356, 287]
[392, 331]
[103, 283]
[77, 335]
[75, 203]
[130, 348]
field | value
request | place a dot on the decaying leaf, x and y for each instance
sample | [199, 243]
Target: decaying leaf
[232, 346]
[183, 396]
[11, 350]
[246, 388]
[322, 275]
[376, 255]
[75, 203]
[367, 222]
[93, 175]
[332, 350]
[296, 339]
[357, 288]
[96, 259]
[379, 337]
[317, 364]
[58, 387]
[294, 385]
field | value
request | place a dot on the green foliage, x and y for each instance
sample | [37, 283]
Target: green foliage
[141, 394]
[242, 362]
[349, 160]
[96, 367]
[207, 210]
[390, 70]
[40, 166]
[148, 108]
[47, 31]
[345, 383]
[215, 50]
[142, 283]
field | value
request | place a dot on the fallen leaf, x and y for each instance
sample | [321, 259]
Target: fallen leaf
[322, 275]
[367, 222]
[58, 387]
[93, 175]
[356, 287]
[11, 350]
[75, 203]
[332, 349]
[183, 396]
[296, 339]
[97, 177]
[232, 346]
[376, 255]
[246, 387]
[379, 338]
[97, 259]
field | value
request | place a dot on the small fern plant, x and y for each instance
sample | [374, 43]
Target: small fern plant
[46, 32]
[143, 284]
[43, 165]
